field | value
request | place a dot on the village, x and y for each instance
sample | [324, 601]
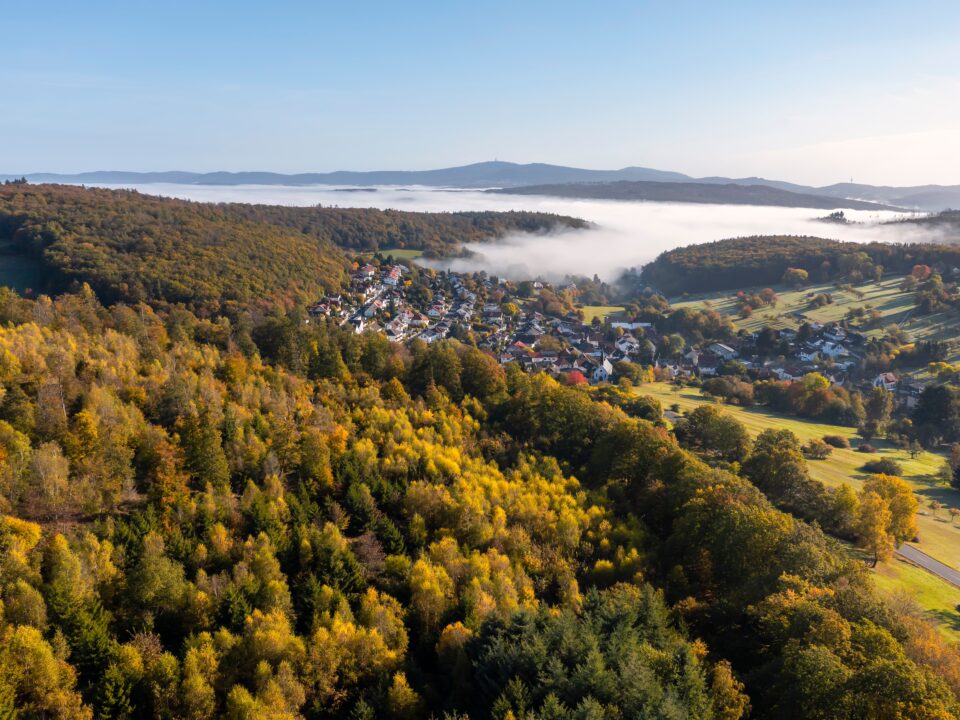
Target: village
[486, 309]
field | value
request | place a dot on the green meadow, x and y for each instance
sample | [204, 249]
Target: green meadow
[937, 598]
[402, 253]
[599, 311]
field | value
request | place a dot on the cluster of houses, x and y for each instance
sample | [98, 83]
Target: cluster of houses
[572, 348]
[828, 349]
[376, 303]
[831, 350]
[562, 346]
[380, 301]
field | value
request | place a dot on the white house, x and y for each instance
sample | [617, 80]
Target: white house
[601, 371]
[886, 380]
[724, 351]
[373, 308]
[392, 277]
[834, 350]
[786, 374]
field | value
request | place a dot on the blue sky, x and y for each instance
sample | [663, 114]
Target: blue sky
[805, 91]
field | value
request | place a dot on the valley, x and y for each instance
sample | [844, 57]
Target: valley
[480, 361]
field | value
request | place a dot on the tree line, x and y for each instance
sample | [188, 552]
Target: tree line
[219, 259]
[766, 260]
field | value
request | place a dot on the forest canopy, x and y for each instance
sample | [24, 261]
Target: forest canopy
[134, 248]
[442, 233]
[760, 261]
[291, 520]
[217, 258]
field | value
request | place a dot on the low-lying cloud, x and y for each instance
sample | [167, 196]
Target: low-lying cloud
[625, 234]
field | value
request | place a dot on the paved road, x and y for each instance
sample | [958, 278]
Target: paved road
[944, 572]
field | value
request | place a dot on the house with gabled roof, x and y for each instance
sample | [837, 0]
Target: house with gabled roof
[886, 380]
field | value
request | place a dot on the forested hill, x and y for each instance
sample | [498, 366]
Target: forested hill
[328, 526]
[693, 192]
[762, 260]
[216, 258]
[371, 229]
[945, 226]
[735, 262]
[131, 247]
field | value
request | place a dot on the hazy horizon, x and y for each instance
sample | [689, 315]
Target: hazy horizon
[14, 174]
[813, 93]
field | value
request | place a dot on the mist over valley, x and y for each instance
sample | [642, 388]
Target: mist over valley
[623, 234]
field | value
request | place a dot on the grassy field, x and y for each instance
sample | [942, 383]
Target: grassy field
[402, 253]
[793, 308]
[599, 311]
[937, 598]
[939, 537]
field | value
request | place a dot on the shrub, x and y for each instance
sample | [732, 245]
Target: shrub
[795, 277]
[711, 431]
[730, 388]
[837, 441]
[866, 448]
[817, 449]
[883, 466]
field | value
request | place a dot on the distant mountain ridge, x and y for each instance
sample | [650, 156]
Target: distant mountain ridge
[477, 175]
[501, 174]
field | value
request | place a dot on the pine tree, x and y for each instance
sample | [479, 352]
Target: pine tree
[203, 448]
[113, 697]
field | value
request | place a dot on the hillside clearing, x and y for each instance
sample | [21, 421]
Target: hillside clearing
[402, 253]
[599, 311]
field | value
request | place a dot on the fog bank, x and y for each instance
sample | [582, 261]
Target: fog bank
[626, 233]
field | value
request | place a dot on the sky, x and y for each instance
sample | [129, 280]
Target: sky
[812, 92]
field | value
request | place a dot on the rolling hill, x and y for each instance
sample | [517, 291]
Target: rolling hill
[500, 174]
[477, 175]
[212, 257]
